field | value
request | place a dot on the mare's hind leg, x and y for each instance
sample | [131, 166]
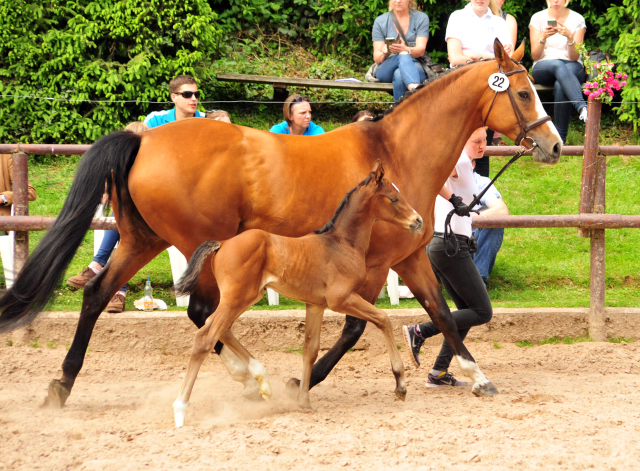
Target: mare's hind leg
[416, 272]
[356, 306]
[129, 257]
[253, 375]
[202, 302]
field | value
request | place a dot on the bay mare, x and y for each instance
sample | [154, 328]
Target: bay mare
[196, 180]
[322, 269]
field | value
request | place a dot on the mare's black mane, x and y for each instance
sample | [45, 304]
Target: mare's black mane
[331, 225]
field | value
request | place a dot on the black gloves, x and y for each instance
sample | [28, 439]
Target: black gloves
[459, 207]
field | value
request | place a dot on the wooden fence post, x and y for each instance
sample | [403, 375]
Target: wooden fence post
[21, 208]
[592, 200]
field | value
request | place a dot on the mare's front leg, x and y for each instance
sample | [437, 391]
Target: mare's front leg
[202, 302]
[312, 327]
[352, 330]
[416, 272]
[356, 306]
[129, 257]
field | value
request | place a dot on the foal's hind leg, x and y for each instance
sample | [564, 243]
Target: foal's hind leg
[129, 257]
[355, 306]
[202, 302]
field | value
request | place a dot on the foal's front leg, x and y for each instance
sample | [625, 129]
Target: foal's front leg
[355, 306]
[312, 327]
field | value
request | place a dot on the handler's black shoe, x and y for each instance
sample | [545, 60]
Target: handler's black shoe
[414, 341]
[444, 379]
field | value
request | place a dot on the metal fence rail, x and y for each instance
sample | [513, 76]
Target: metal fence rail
[591, 222]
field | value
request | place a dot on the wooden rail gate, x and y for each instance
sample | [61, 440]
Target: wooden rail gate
[591, 221]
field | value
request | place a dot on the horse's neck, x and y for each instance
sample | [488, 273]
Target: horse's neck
[427, 133]
[355, 223]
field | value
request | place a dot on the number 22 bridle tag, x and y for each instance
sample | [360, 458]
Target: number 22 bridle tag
[498, 82]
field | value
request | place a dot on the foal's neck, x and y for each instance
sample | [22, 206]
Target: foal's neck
[354, 224]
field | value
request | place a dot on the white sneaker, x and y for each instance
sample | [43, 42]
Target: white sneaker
[583, 114]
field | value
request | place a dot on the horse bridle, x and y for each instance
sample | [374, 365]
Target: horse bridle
[451, 243]
[522, 123]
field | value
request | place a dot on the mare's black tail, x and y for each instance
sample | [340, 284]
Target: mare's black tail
[109, 159]
[189, 280]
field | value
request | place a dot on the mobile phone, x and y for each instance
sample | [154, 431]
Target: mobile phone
[552, 23]
[389, 41]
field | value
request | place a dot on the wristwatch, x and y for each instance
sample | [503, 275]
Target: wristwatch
[541, 41]
[571, 43]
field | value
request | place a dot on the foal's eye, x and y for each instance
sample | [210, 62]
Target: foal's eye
[393, 200]
[524, 95]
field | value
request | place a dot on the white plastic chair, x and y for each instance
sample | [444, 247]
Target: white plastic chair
[392, 288]
[178, 267]
[7, 244]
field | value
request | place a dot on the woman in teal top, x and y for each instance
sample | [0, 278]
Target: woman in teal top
[297, 118]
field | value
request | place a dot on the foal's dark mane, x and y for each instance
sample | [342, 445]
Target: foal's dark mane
[331, 225]
[424, 84]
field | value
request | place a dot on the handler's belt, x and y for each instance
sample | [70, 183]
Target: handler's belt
[458, 236]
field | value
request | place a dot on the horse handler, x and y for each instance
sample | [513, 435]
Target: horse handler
[457, 271]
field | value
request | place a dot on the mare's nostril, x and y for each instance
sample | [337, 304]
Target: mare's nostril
[557, 149]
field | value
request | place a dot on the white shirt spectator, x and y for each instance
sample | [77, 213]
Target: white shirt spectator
[475, 33]
[464, 186]
[491, 194]
[556, 45]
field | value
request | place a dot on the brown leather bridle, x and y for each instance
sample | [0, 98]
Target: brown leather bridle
[524, 127]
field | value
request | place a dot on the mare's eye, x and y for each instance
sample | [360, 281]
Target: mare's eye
[524, 95]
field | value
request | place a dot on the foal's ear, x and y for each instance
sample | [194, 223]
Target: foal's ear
[519, 53]
[378, 170]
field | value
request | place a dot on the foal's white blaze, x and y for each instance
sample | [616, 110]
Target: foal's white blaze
[179, 411]
[397, 189]
[259, 373]
[541, 112]
[471, 370]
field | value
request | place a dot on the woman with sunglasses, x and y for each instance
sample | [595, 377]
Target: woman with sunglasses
[185, 95]
[297, 118]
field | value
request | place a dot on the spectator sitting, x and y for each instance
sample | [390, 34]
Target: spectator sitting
[364, 115]
[489, 239]
[109, 241]
[6, 186]
[557, 60]
[398, 62]
[297, 118]
[512, 24]
[219, 115]
[184, 95]
[470, 35]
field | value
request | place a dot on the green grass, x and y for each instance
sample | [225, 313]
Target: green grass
[496, 344]
[621, 339]
[534, 268]
[34, 343]
[9, 343]
[555, 340]
[51, 344]
[293, 350]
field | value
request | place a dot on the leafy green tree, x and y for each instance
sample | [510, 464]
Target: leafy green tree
[117, 53]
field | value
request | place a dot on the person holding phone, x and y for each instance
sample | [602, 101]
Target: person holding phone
[554, 33]
[398, 61]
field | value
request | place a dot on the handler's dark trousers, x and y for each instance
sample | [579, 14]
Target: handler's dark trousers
[464, 285]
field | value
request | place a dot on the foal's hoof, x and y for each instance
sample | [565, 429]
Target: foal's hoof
[485, 390]
[293, 386]
[252, 394]
[57, 396]
[401, 394]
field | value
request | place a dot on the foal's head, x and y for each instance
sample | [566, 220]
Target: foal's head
[387, 204]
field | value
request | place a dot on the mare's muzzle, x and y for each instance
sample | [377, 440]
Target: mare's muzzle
[416, 225]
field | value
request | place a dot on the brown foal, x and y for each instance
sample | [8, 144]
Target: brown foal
[324, 269]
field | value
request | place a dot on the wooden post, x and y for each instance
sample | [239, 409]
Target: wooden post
[21, 208]
[592, 200]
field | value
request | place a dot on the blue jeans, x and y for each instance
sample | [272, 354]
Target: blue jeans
[401, 70]
[109, 241]
[566, 78]
[489, 242]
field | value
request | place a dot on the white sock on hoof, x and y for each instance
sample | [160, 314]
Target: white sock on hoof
[179, 412]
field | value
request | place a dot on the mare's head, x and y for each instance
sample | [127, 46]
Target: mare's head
[517, 111]
[387, 202]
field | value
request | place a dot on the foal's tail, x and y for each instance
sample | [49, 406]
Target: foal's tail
[189, 280]
[108, 160]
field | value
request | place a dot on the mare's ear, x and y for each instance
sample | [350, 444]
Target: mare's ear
[501, 56]
[378, 170]
[519, 53]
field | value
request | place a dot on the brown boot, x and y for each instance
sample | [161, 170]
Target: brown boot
[116, 304]
[82, 279]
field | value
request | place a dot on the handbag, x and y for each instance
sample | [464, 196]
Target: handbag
[596, 56]
[425, 61]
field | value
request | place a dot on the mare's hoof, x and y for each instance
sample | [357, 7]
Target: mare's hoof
[293, 386]
[485, 390]
[307, 407]
[57, 396]
[401, 394]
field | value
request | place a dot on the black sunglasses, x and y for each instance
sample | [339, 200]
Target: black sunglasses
[189, 94]
[298, 99]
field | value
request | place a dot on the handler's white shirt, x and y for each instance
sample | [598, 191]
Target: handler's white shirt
[477, 33]
[464, 186]
[491, 194]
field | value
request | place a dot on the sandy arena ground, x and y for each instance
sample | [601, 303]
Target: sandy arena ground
[567, 407]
